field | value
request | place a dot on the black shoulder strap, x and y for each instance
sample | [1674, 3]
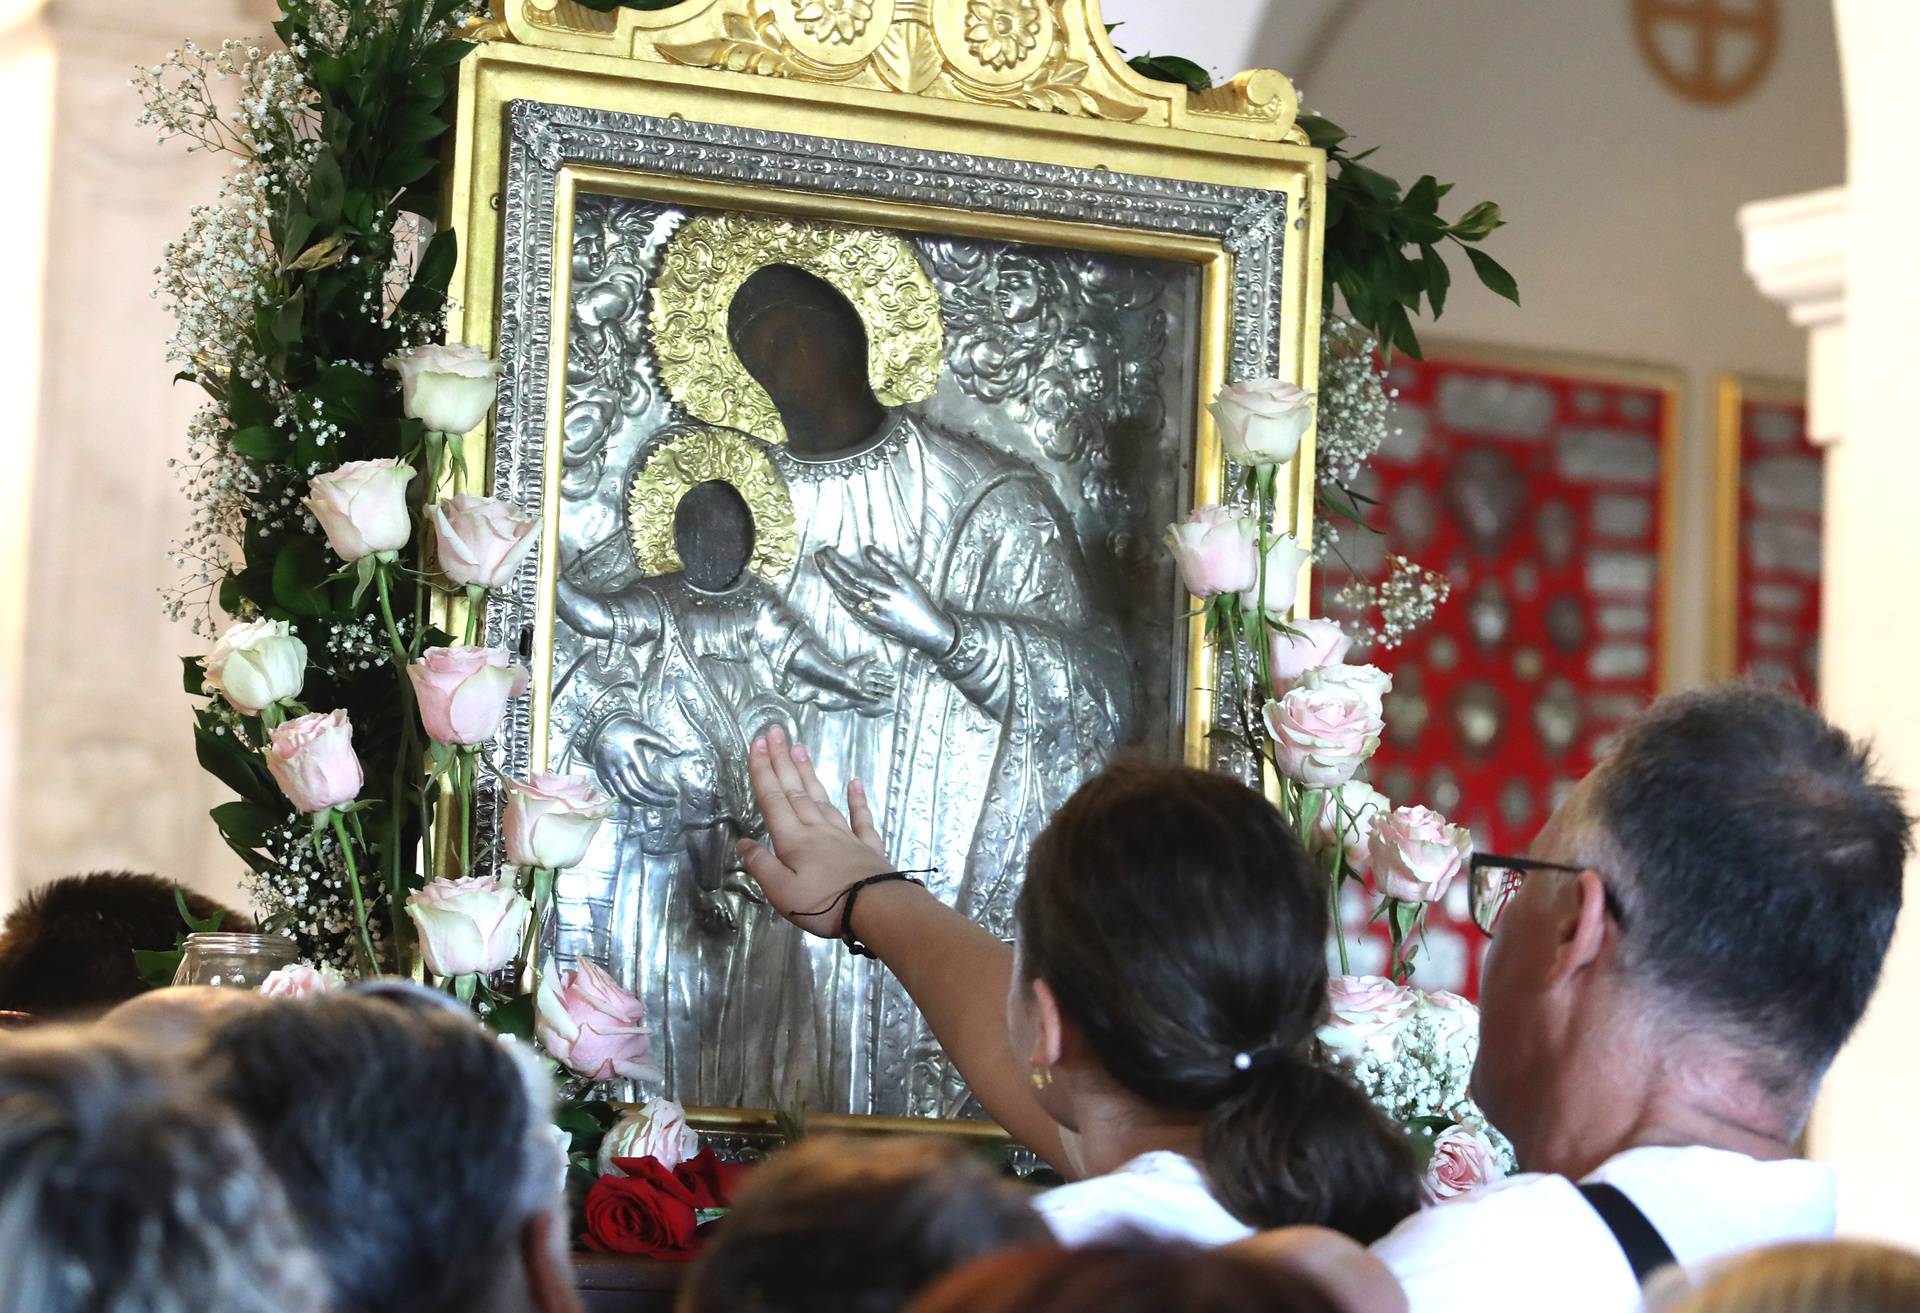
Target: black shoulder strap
[1646, 1251]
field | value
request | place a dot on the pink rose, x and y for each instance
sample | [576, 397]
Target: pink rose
[470, 926]
[551, 819]
[1463, 1160]
[1415, 854]
[658, 1131]
[463, 691]
[362, 506]
[1316, 643]
[1321, 737]
[480, 540]
[1369, 683]
[1217, 550]
[311, 759]
[1346, 819]
[591, 1026]
[1364, 1017]
[298, 981]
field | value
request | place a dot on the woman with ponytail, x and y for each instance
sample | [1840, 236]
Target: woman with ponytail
[1162, 995]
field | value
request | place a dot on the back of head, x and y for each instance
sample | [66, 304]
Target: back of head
[1840, 1277]
[1759, 863]
[856, 1226]
[122, 1193]
[412, 1143]
[1182, 928]
[1139, 1277]
[66, 952]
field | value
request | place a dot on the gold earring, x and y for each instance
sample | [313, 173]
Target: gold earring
[1041, 1078]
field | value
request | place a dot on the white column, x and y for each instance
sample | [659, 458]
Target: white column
[95, 732]
[1846, 266]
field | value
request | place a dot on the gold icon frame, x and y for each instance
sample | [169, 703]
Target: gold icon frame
[913, 76]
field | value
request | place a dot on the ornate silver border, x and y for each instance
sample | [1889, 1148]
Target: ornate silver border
[544, 138]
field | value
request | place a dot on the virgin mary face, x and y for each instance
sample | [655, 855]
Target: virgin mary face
[805, 344]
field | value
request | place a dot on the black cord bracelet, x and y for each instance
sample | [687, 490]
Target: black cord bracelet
[851, 894]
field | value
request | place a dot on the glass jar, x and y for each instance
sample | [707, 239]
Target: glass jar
[233, 961]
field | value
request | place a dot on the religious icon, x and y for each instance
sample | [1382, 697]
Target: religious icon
[810, 543]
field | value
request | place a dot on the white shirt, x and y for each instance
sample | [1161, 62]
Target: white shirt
[1160, 1194]
[1532, 1242]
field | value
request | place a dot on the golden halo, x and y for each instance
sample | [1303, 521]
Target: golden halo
[713, 254]
[700, 457]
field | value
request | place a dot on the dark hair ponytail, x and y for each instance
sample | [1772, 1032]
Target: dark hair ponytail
[1183, 930]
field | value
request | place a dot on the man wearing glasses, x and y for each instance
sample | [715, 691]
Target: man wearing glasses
[1692, 938]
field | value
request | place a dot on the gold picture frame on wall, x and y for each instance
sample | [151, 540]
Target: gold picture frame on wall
[1041, 267]
[1765, 417]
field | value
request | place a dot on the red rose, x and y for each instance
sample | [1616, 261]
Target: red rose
[646, 1212]
[710, 1181]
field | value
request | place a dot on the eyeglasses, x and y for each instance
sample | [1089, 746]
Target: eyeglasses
[1494, 879]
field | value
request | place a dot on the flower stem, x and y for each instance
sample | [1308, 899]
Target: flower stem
[463, 794]
[359, 901]
[542, 894]
[403, 767]
[476, 608]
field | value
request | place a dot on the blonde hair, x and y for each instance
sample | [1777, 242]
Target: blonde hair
[1840, 1277]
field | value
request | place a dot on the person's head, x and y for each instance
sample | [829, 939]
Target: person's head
[178, 1016]
[1736, 870]
[1835, 1277]
[414, 1146]
[713, 531]
[856, 1226]
[1172, 947]
[1138, 1276]
[66, 952]
[804, 342]
[121, 1192]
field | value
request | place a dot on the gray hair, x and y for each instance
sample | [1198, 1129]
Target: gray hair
[415, 1146]
[120, 1192]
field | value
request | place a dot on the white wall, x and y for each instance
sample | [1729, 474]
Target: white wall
[1621, 197]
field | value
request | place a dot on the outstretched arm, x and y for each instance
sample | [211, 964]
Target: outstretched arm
[956, 972]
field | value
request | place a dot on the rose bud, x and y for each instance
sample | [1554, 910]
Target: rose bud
[362, 506]
[1365, 1015]
[463, 692]
[1262, 421]
[1346, 819]
[480, 540]
[1370, 684]
[591, 1026]
[311, 759]
[1278, 590]
[1217, 551]
[1321, 737]
[551, 819]
[257, 664]
[447, 388]
[1314, 643]
[299, 981]
[658, 1131]
[1415, 854]
[472, 925]
[1463, 1160]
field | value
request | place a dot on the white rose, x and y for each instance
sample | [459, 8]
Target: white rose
[1369, 684]
[447, 388]
[1346, 819]
[257, 664]
[362, 506]
[1285, 556]
[658, 1131]
[1365, 1015]
[1320, 737]
[1262, 421]
[551, 819]
[468, 926]
[301, 981]
[481, 540]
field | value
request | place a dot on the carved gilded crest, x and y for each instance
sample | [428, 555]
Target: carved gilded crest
[712, 255]
[1050, 55]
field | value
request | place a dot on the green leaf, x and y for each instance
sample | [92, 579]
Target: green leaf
[194, 676]
[286, 324]
[299, 579]
[416, 127]
[514, 1017]
[1172, 68]
[430, 278]
[156, 967]
[241, 770]
[1439, 278]
[1478, 222]
[1322, 134]
[195, 924]
[1495, 277]
[452, 52]
[260, 443]
[326, 190]
[245, 824]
